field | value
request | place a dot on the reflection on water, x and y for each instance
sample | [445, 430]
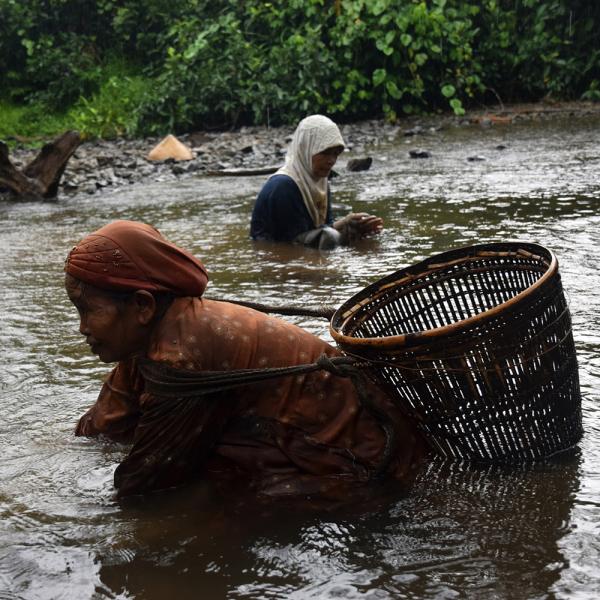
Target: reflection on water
[460, 532]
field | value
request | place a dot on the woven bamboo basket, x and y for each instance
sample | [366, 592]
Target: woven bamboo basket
[476, 345]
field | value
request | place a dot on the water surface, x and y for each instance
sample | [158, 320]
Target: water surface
[460, 532]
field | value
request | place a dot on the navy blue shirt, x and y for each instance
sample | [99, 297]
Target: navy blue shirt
[279, 213]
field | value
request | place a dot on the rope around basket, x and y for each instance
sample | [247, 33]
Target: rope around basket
[325, 312]
[167, 381]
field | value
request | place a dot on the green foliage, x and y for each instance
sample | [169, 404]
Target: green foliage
[534, 48]
[593, 92]
[204, 69]
[51, 52]
[417, 55]
[31, 124]
[115, 110]
[219, 63]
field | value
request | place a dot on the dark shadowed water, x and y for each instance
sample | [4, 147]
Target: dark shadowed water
[460, 532]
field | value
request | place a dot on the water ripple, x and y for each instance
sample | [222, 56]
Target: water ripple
[461, 532]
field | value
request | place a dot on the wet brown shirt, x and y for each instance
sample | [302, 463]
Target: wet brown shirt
[310, 424]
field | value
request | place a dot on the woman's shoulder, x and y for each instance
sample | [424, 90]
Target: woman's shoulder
[279, 182]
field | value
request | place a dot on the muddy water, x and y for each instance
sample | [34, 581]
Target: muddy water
[459, 532]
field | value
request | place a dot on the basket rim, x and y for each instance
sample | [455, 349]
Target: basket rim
[353, 304]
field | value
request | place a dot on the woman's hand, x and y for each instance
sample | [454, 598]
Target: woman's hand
[356, 226]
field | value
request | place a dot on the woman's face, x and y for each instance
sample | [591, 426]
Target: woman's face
[323, 162]
[113, 329]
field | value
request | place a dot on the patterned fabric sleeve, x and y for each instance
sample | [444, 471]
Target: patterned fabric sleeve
[117, 410]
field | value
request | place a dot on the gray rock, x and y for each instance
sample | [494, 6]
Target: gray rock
[417, 153]
[359, 164]
[198, 138]
[104, 161]
[413, 131]
[251, 148]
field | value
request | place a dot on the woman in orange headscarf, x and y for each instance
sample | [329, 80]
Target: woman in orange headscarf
[140, 303]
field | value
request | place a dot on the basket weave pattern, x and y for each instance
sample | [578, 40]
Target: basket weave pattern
[476, 345]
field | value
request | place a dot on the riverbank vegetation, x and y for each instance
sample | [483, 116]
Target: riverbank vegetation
[139, 67]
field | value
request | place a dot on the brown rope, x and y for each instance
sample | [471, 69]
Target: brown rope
[164, 380]
[328, 312]
[325, 312]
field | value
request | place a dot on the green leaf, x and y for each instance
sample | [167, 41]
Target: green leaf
[380, 45]
[29, 46]
[378, 7]
[379, 76]
[406, 39]
[420, 59]
[457, 106]
[448, 90]
[392, 90]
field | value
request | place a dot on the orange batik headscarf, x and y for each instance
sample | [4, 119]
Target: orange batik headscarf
[129, 256]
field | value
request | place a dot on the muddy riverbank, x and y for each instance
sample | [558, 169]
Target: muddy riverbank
[101, 165]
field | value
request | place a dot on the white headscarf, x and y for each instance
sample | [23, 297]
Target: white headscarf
[313, 135]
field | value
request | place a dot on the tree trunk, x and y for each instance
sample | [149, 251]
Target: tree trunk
[41, 177]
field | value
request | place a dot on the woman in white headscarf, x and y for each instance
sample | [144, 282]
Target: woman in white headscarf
[295, 203]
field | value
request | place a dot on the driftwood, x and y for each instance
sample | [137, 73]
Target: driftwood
[243, 172]
[41, 177]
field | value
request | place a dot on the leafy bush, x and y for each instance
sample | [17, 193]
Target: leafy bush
[115, 110]
[51, 52]
[412, 56]
[236, 68]
[30, 124]
[532, 49]
[220, 63]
